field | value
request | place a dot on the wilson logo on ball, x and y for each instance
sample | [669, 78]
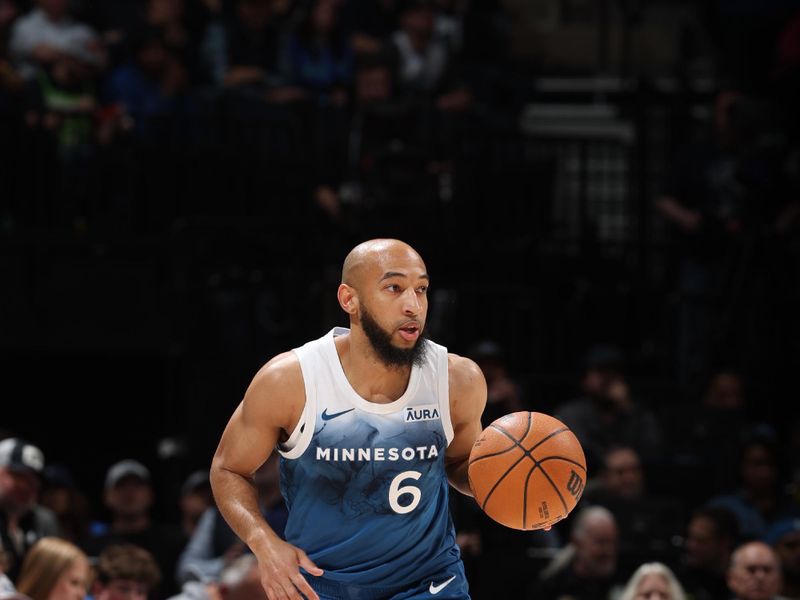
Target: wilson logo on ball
[575, 484]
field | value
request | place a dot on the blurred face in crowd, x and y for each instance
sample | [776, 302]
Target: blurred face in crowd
[623, 474]
[596, 549]
[323, 17]
[72, 583]
[153, 57]
[418, 23]
[121, 589]
[703, 545]
[54, 9]
[725, 392]
[19, 490]
[373, 85]
[788, 550]
[754, 573]
[653, 587]
[758, 468]
[254, 14]
[131, 496]
[162, 12]
[249, 588]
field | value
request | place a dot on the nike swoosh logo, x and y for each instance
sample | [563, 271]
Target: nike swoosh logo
[435, 589]
[327, 417]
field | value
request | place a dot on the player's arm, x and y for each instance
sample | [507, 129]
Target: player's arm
[467, 401]
[272, 406]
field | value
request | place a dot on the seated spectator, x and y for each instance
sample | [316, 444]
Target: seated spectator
[586, 568]
[240, 580]
[318, 54]
[148, 91]
[647, 523]
[11, 83]
[22, 519]
[372, 23]
[426, 57]
[711, 536]
[54, 569]
[125, 571]
[129, 496]
[754, 573]
[653, 581]
[214, 545]
[784, 537]
[48, 34]
[762, 498]
[195, 498]
[243, 53]
[61, 494]
[606, 413]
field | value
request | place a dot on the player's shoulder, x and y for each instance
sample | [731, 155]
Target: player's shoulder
[463, 371]
[281, 373]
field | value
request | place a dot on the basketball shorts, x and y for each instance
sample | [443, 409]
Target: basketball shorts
[448, 584]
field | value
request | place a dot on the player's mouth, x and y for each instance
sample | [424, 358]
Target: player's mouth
[410, 331]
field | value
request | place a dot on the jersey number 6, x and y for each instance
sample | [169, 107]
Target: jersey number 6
[395, 491]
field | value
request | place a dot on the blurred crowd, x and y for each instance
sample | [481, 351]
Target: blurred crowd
[670, 352]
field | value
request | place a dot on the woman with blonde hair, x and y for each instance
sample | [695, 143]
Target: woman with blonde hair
[653, 581]
[54, 569]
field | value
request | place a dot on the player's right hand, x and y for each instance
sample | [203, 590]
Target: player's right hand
[279, 566]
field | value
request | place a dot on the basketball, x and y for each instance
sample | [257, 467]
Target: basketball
[527, 470]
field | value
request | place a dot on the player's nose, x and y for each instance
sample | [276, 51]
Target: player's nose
[411, 304]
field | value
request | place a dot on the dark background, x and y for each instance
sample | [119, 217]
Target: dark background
[132, 320]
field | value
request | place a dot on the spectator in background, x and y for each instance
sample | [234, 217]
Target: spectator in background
[54, 569]
[728, 201]
[22, 519]
[145, 94]
[754, 573]
[318, 54]
[195, 498]
[61, 495]
[372, 23]
[716, 432]
[125, 571]
[48, 35]
[504, 393]
[711, 536]
[647, 523]
[586, 568]
[214, 545]
[653, 581]
[11, 83]
[243, 53]
[606, 414]
[784, 537]
[238, 581]
[762, 497]
[129, 496]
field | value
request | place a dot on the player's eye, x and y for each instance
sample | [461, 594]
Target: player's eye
[423, 289]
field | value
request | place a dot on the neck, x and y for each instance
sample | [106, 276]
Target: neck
[370, 377]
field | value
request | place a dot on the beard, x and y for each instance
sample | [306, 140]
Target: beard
[389, 354]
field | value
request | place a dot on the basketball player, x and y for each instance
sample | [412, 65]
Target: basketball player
[371, 423]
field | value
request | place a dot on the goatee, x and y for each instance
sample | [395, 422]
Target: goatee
[388, 353]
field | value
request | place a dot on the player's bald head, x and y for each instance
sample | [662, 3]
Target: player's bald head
[375, 254]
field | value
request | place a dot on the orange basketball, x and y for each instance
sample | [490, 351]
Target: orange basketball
[527, 470]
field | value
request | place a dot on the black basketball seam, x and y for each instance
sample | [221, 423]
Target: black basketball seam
[477, 458]
[547, 437]
[525, 498]
[560, 497]
[499, 481]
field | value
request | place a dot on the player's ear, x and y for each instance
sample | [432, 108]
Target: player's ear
[348, 299]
